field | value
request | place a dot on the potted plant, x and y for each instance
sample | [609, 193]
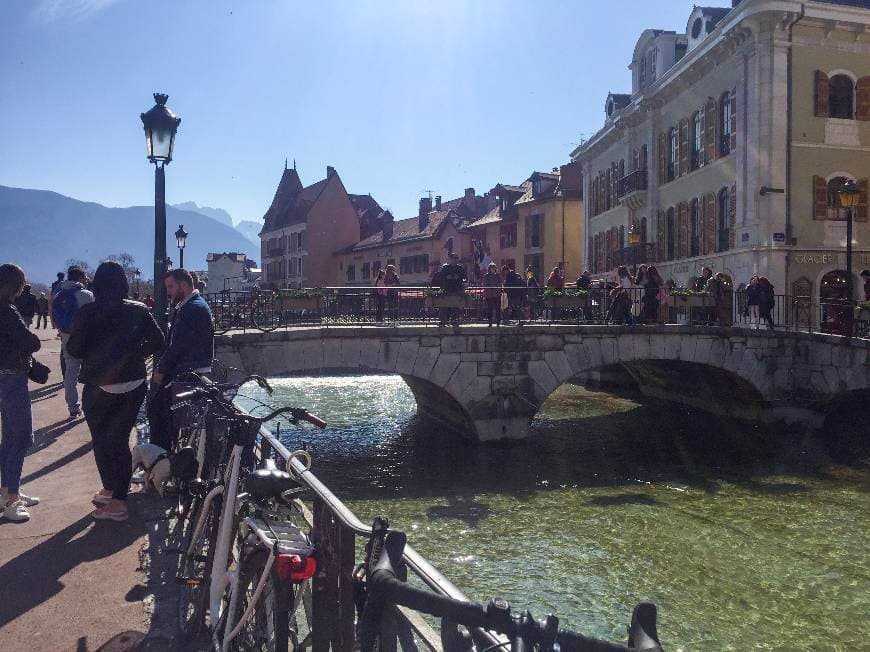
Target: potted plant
[568, 298]
[862, 311]
[303, 299]
[690, 298]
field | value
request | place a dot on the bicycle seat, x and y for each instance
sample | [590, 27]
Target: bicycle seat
[642, 634]
[269, 483]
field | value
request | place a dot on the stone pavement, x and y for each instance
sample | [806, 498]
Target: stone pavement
[66, 581]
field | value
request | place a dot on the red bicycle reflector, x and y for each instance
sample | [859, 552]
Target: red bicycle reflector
[293, 568]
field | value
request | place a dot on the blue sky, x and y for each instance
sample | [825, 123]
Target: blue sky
[400, 97]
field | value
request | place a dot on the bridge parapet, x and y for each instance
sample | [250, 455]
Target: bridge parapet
[489, 382]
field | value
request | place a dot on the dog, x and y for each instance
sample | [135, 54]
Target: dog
[156, 462]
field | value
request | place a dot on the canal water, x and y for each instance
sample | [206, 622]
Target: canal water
[745, 537]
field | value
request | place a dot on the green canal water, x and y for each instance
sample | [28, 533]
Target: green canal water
[745, 537]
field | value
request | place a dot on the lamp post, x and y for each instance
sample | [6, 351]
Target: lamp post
[849, 195]
[633, 241]
[181, 241]
[160, 127]
[136, 275]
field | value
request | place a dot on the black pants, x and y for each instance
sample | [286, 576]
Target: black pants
[163, 431]
[493, 310]
[110, 418]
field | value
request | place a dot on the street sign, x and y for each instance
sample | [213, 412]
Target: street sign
[779, 237]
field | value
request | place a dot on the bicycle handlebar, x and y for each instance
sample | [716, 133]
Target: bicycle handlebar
[385, 588]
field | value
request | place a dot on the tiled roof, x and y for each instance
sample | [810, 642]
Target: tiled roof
[491, 217]
[292, 201]
[405, 230]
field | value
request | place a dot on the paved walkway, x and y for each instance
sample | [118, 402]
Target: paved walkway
[66, 581]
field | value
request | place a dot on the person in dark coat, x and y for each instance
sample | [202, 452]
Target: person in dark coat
[42, 310]
[515, 288]
[27, 306]
[492, 292]
[17, 346]
[113, 337]
[865, 276]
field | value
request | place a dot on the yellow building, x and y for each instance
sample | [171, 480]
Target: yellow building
[538, 224]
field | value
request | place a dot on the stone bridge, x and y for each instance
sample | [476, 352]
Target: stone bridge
[488, 383]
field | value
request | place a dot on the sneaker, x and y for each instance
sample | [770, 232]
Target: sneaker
[16, 512]
[75, 413]
[138, 477]
[29, 501]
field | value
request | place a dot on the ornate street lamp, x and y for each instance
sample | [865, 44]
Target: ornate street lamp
[849, 194]
[633, 241]
[160, 127]
[136, 275]
[181, 241]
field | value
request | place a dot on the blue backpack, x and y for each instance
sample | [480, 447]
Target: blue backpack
[64, 307]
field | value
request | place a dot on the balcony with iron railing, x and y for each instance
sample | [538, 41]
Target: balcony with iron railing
[643, 253]
[631, 189]
[275, 251]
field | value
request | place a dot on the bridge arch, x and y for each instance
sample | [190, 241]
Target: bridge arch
[489, 382]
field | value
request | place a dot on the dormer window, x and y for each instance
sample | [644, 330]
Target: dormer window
[697, 26]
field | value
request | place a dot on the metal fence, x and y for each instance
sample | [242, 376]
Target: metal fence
[267, 310]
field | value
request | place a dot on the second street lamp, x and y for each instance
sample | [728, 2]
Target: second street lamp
[160, 127]
[136, 275]
[849, 194]
[633, 241]
[181, 241]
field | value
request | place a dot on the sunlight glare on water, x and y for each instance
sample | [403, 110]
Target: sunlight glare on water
[610, 502]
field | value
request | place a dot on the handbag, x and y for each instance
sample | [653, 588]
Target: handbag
[38, 372]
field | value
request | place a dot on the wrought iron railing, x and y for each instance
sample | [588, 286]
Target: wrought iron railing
[270, 310]
[631, 182]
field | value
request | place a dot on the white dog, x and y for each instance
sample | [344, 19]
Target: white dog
[154, 461]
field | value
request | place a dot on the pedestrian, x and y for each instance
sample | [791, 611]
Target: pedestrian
[56, 285]
[70, 297]
[721, 304]
[452, 279]
[651, 283]
[753, 301]
[148, 301]
[865, 276]
[55, 288]
[584, 281]
[532, 293]
[555, 282]
[391, 280]
[27, 305]
[380, 294]
[515, 288]
[492, 284]
[113, 337]
[17, 345]
[620, 307]
[190, 348]
[42, 311]
[624, 278]
[767, 300]
[700, 284]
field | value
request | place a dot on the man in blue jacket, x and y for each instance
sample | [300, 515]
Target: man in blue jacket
[190, 347]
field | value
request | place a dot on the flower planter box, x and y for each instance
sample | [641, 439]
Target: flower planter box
[691, 301]
[448, 301]
[862, 315]
[283, 304]
[568, 302]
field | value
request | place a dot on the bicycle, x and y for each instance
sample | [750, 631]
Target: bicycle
[383, 587]
[244, 547]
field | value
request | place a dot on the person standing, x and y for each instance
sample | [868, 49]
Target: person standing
[113, 337]
[391, 280]
[190, 347]
[865, 276]
[42, 311]
[148, 301]
[532, 293]
[651, 284]
[753, 301]
[27, 306]
[452, 280]
[71, 296]
[492, 292]
[556, 282]
[515, 290]
[17, 345]
[380, 295]
[766, 300]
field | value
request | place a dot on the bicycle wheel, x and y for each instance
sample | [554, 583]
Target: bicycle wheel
[195, 570]
[272, 626]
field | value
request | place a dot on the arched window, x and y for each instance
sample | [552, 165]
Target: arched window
[697, 141]
[694, 229]
[725, 109]
[841, 98]
[722, 230]
[674, 156]
[671, 235]
[595, 210]
[642, 165]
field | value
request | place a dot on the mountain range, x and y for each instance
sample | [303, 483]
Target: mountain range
[40, 230]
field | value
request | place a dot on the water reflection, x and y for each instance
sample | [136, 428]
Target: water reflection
[746, 537]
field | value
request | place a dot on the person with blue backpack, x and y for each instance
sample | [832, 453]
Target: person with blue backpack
[70, 296]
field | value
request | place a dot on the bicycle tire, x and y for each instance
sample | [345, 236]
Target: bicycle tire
[272, 627]
[195, 571]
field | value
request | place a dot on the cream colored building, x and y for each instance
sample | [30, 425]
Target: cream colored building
[730, 148]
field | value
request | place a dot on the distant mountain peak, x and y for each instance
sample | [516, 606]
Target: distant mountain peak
[218, 214]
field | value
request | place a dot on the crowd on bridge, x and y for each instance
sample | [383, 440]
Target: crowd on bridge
[107, 339]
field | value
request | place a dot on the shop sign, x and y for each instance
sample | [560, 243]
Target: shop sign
[815, 259]
[779, 237]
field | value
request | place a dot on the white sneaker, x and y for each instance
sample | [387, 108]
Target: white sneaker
[138, 477]
[16, 512]
[29, 501]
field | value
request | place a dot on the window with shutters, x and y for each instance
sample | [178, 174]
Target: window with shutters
[695, 228]
[697, 141]
[834, 211]
[536, 231]
[674, 153]
[351, 273]
[725, 109]
[722, 230]
[642, 164]
[841, 97]
[366, 271]
[670, 236]
[507, 236]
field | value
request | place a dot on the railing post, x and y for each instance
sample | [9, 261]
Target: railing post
[333, 606]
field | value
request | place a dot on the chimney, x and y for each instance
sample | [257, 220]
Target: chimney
[437, 202]
[423, 215]
[330, 171]
[387, 225]
[469, 193]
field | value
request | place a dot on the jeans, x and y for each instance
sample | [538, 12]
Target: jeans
[42, 319]
[72, 366]
[493, 310]
[111, 418]
[17, 424]
[163, 432]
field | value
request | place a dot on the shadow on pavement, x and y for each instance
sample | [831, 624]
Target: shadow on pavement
[84, 449]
